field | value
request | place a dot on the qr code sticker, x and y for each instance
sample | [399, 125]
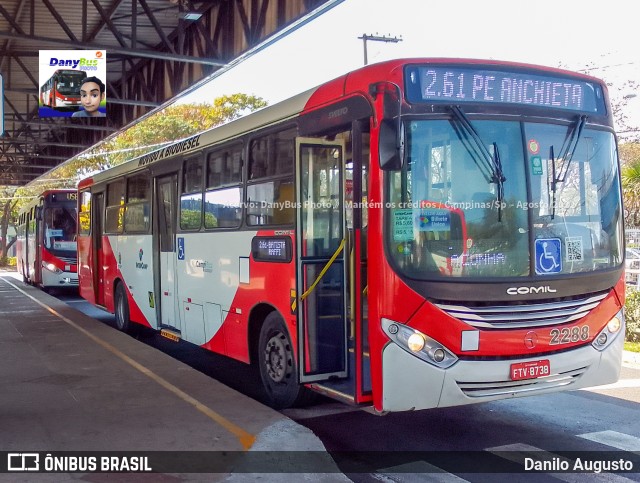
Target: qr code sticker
[573, 246]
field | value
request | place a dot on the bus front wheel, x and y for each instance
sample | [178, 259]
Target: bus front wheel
[123, 323]
[277, 364]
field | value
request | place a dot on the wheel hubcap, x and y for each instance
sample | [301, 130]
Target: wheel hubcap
[276, 357]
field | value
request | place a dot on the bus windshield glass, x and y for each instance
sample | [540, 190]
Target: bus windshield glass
[501, 205]
[60, 229]
[69, 82]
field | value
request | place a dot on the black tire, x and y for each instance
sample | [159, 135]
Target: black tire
[123, 322]
[277, 365]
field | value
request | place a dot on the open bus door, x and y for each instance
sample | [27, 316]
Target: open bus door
[322, 282]
[165, 231]
[98, 263]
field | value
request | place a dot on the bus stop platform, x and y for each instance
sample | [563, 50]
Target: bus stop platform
[70, 383]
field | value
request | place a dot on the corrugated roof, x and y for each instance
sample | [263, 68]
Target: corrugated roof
[152, 54]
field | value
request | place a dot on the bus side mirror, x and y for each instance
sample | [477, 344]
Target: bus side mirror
[38, 213]
[391, 131]
[390, 145]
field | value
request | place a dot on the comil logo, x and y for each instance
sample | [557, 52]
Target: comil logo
[530, 290]
[23, 462]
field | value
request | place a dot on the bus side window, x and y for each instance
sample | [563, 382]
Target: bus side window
[223, 198]
[136, 215]
[191, 195]
[84, 217]
[270, 193]
[114, 222]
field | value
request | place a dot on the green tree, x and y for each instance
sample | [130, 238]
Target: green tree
[630, 159]
[171, 124]
[629, 153]
[8, 214]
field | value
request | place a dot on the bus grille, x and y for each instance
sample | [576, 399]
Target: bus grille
[69, 260]
[501, 388]
[524, 316]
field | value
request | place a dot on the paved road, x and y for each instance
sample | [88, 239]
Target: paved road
[454, 444]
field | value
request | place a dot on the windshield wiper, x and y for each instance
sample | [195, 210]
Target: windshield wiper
[491, 165]
[566, 155]
[499, 178]
[569, 147]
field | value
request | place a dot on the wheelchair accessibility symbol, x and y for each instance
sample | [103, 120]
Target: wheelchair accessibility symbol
[548, 256]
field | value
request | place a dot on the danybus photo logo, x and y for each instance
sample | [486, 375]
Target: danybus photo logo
[72, 83]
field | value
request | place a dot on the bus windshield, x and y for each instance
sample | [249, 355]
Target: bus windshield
[69, 84]
[60, 229]
[546, 214]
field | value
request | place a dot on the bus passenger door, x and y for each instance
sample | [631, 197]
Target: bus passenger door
[98, 262]
[321, 290]
[165, 231]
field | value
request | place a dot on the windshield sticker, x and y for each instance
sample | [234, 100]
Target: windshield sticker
[548, 256]
[64, 245]
[534, 147]
[574, 249]
[402, 225]
[432, 220]
[536, 165]
[404, 249]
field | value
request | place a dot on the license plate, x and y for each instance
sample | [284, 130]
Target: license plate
[530, 370]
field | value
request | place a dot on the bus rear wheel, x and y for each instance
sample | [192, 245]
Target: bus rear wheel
[277, 364]
[123, 322]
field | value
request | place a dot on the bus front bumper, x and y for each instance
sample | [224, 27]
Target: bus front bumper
[410, 383]
[63, 279]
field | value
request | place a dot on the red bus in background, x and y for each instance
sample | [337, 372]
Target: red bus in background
[62, 89]
[414, 234]
[46, 253]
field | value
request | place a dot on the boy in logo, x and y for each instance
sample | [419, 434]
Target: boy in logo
[91, 95]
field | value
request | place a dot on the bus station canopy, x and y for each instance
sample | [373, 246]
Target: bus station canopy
[155, 50]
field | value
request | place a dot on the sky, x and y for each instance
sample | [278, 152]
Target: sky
[573, 34]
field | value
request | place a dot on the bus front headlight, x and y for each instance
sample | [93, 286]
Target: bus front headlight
[610, 331]
[51, 267]
[419, 344]
[416, 342]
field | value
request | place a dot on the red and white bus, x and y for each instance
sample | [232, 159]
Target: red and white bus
[62, 89]
[415, 234]
[46, 244]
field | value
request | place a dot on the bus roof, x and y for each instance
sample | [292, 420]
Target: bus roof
[261, 118]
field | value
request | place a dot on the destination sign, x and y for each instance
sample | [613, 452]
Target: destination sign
[271, 249]
[457, 85]
[64, 196]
